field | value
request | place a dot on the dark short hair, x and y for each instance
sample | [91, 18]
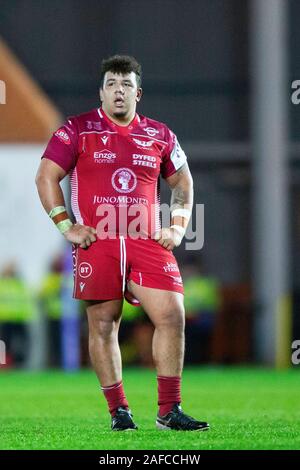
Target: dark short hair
[121, 64]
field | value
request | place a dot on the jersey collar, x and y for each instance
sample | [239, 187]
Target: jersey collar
[123, 130]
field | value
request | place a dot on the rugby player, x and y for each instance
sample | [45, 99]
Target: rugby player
[115, 158]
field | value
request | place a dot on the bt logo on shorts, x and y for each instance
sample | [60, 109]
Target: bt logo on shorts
[85, 270]
[124, 180]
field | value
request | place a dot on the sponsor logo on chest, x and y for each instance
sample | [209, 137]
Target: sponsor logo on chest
[151, 131]
[143, 144]
[104, 156]
[119, 200]
[144, 160]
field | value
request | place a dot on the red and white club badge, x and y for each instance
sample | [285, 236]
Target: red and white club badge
[124, 180]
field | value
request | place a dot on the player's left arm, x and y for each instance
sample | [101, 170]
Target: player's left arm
[181, 185]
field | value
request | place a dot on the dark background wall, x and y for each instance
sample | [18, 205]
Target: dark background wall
[194, 55]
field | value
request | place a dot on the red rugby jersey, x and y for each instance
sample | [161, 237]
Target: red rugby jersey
[114, 170]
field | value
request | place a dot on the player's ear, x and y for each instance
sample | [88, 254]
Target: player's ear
[100, 94]
[139, 94]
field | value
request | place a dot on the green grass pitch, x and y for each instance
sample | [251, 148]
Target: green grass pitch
[248, 408]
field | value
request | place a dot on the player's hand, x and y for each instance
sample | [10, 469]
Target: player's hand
[81, 235]
[168, 238]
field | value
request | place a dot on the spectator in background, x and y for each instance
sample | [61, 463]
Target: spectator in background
[135, 336]
[202, 301]
[16, 311]
[51, 307]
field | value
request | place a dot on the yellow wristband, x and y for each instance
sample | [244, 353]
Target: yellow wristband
[64, 225]
[56, 210]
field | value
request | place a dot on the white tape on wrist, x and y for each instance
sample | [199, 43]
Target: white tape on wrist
[179, 229]
[186, 213]
[180, 232]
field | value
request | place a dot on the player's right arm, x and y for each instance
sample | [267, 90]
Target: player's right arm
[48, 180]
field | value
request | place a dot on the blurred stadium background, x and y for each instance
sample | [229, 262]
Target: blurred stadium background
[219, 73]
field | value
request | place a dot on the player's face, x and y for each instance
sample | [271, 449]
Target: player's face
[120, 94]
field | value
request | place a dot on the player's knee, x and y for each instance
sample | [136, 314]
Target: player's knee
[103, 321]
[173, 318]
[103, 329]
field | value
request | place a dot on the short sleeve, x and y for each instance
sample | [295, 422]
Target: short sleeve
[62, 148]
[173, 156]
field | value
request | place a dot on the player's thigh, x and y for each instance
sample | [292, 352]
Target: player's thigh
[164, 308]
